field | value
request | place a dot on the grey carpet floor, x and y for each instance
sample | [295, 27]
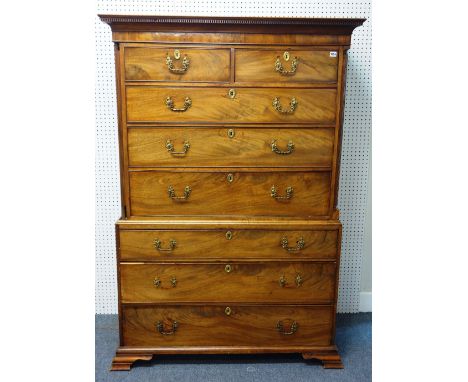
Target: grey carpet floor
[353, 338]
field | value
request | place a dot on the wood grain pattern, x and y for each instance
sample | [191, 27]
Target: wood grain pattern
[138, 245]
[148, 104]
[212, 147]
[259, 66]
[339, 128]
[329, 357]
[235, 39]
[212, 194]
[268, 223]
[149, 64]
[246, 282]
[210, 326]
[123, 362]
[229, 53]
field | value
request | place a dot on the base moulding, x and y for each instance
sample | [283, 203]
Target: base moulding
[126, 356]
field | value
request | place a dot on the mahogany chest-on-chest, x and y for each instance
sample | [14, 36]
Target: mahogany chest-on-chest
[229, 133]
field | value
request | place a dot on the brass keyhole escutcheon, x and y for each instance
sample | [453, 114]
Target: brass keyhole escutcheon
[229, 235]
[177, 54]
[231, 133]
[232, 93]
[230, 178]
[228, 311]
[228, 268]
[286, 56]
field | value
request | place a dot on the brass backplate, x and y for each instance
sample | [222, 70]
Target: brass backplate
[286, 56]
[231, 133]
[177, 54]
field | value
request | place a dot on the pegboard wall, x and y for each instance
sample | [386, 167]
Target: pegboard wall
[356, 134]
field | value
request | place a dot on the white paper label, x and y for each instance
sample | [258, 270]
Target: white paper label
[333, 54]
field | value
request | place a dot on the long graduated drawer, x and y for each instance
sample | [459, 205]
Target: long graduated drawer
[299, 282]
[208, 192]
[259, 105]
[240, 147]
[227, 325]
[180, 245]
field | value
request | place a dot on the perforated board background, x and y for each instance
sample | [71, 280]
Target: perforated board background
[356, 134]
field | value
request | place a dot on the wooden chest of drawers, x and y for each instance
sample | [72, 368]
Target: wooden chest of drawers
[230, 132]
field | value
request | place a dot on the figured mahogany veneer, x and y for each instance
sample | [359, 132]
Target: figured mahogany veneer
[212, 193]
[245, 325]
[148, 104]
[303, 282]
[214, 147]
[149, 64]
[254, 65]
[229, 135]
[139, 245]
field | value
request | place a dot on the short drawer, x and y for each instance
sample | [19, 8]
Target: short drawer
[177, 64]
[180, 245]
[298, 282]
[205, 192]
[286, 66]
[243, 147]
[227, 325]
[256, 105]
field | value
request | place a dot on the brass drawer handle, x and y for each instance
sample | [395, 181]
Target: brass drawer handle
[160, 327]
[289, 193]
[170, 104]
[172, 195]
[299, 244]
[170, 63]
[292, 329]
[157, 245]
[283, 282]
[157, 282]
[292, 106]
[276, 150]
[299, 280]
[170, 148]
[279, 66]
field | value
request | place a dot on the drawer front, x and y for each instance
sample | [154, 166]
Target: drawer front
[157, 245]
[151, 64]
[271, 66]
[194, 325]
[196, 104]
[222, 193]
[213, 147]
[310, 282]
